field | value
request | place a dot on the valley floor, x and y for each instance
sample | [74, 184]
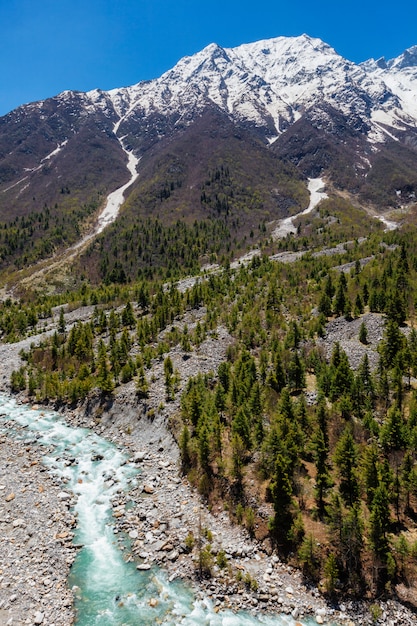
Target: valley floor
[166, 509]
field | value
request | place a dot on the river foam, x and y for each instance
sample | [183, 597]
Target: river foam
[110, 591]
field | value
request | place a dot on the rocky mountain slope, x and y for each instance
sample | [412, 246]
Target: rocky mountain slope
[269, 113]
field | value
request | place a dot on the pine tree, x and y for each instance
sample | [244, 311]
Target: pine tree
[142, 386]
[363, 334]
[204, 448]
[379, 523]
[342, 377]
[340, 301]
[128, 316]
[104, 376]
[393, 432]
[241, 426]
[323, 482]
[61, 322]
[296, 373]
[184, 445]
[370, 471]
[407, 477]
[331, 573]
[346, 460]
[281, 492]
[168, 374]
[352, 543]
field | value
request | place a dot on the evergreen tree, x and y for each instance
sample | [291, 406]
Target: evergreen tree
[342, 377]
[393, 432]
[407, 477]
[379, 523]
[352, 544]
[346, 460]
[341, 300]
[331, 573]
[241, 426]
[168, 374]
[104, 376]
[128, 316]
[325, 305]
[184, 445]
[281, 492]
[393, 342]
[142, 386]
[204, 448]
[323, 482]
[363, 334]
[61, 322]
[296, 373]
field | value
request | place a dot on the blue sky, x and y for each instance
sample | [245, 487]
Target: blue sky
[48, 46]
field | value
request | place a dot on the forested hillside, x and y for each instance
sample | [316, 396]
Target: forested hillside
[310, 445]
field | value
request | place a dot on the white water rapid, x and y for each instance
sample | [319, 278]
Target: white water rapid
[110, 591]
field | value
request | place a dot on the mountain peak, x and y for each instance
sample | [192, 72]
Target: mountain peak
[407, 59]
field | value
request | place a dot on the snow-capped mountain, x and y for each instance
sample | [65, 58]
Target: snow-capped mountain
[295, 95]
[272, 83]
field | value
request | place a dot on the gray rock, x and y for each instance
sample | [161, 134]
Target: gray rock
[63, 495]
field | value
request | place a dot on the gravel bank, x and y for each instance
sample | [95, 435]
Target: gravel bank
[35, 540]
[163, 510]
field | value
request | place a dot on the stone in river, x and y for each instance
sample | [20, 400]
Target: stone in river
[10, 497]
[38, 619]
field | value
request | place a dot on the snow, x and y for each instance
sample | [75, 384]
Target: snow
[317, 194]
[15, 184]
[383, 131]
[389, 224]
[116, 198]
[54, 152]
[274, 81]
[269, 83]
[36, 169]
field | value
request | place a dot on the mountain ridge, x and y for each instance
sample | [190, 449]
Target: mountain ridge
[292, 98]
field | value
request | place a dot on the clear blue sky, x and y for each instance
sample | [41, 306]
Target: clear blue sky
[47, 46]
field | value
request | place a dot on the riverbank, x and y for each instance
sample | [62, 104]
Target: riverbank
[163, 511]
[36, 551]
[162, 515]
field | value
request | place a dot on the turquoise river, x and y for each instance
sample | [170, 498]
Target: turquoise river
[110, 591]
